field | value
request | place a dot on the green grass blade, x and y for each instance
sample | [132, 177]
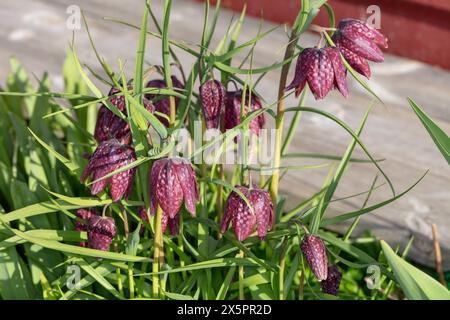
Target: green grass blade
[440, 138]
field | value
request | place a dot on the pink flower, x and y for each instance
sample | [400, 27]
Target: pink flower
[246, 220]
[110, 126]
[109, 156]
[101, 232]
[171, 182]
[212, 96]
[315, 253]
[322, 69]
[233, 111]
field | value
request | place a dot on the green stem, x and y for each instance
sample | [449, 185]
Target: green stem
[119, 282]
[157, 248]
[281, 276]
[241, 278]
[131, 279]
[290, 49]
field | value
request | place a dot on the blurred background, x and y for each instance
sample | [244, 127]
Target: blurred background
[35, 32]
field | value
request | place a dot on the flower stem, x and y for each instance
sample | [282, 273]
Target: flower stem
[131, 279]
[290, 49]
[157, 248]
[241, 278]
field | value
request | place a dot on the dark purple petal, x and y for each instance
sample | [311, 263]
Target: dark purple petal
[109, 156]
[233, 111]
[228, 211]
[331, 284]
[263, 209]
[319, 73]
[85, 215]
[340, 73]
[110, 126]
[168, 190]
[187, 180]
[121, 184]
[174, 225]
[154, 174]
[353, 28]
[244, 220]
[315, 253]
[359, 64]
[142, 212]
[163, 104]
[212, 95]
[299, 81]
[364, 48]
[101, 231]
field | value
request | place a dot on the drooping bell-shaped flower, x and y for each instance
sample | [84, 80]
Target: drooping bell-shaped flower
[172, 180]
[109, 156]
[322, 69]
[246, 220]
[315, 253]
[101, 232]
[162, 104]
[212, 96]
[233, 105]
[359, 42]
[331, 284]
[359, 64]
[362, 39]
[85, 215]
[340, 73]
[165, 221]
[110, 126]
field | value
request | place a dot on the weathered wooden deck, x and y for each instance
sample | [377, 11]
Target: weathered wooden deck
[35, 32]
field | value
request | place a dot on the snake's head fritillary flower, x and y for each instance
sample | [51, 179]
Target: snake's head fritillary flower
[84, 215]
[322, 69]
[315, 68]
[172, 180]
[359, 64]
[363, 39]
[173, 223]
[246, 220]
[339, 71]
[162, 104]
[110, 156]
[165, 221]
[110, 126]
[233, 104]
[359, 42]
[331, 284]
[315, 253]
[101, 232]
[213, 96]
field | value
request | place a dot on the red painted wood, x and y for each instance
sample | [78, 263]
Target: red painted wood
[417, 29]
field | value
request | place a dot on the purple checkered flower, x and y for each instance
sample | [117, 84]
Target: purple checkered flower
[163, 104]
[316, 255]
[85, 215]
[110, 126]
[101, 232]
[331, 284]
[109, 156]
[172, 180]
[322, 69]
[246, 220]
[233, 104]
[166, 221]
[359, 42]
[212, 95]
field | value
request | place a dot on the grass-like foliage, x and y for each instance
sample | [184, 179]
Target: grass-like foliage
[48, 140]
